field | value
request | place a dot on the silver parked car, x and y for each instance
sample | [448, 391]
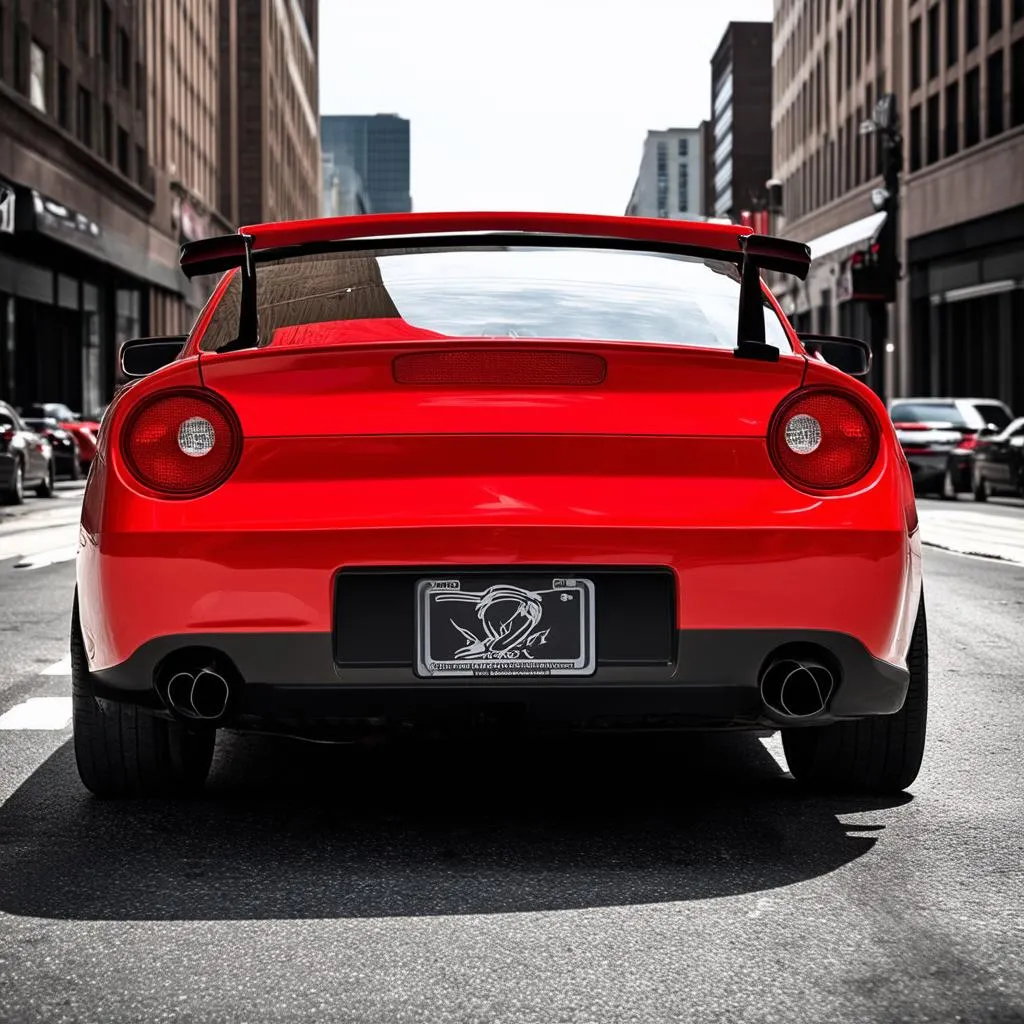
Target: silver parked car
[939, 435]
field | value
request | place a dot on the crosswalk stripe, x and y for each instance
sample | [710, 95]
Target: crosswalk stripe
[38, 713]
[60, 668]
[45, 558]
[974, 533]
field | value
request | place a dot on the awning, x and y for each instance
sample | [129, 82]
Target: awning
[848, 237]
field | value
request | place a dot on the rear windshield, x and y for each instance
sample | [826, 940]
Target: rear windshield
[994, 414]
[927, 412]
[493, 292]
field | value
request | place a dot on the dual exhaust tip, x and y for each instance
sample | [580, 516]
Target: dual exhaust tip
[201, 696]
[796, 689]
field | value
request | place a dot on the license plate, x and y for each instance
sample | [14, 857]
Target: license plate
[505, 626]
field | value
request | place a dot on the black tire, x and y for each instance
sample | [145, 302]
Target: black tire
[979, 488]
[15, 493]
[873, 756]
[121, 750]
[948, 491]
[75, 473]
[48, 487]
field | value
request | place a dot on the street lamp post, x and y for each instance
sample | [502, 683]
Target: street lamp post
[880, 270]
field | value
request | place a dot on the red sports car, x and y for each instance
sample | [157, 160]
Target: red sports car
[426, 468]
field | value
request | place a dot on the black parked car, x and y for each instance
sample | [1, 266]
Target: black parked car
[939, 436]
[999, 463]
[67, 458]
[26, 459]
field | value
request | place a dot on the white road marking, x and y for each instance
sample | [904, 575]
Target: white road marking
[51, 557]
[61, 668]
[49, 713]
[974, 533]
[773, 744]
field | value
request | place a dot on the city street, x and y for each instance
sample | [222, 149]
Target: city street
[613, 880]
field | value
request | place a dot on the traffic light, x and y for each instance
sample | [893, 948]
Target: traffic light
[874, 272]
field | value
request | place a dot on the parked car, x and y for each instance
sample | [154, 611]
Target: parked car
[641, 504]
[26, 459]
[938, 436]
[998, 466]
[66, 456]
[85, 431]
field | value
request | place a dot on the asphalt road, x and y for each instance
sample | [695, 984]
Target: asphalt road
[662, 880]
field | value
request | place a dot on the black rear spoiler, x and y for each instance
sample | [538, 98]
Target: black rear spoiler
[757, 252]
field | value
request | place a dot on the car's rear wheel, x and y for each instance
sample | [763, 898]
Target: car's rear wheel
[873, 755]
[123, 751]
[15, 493]
[948, 486]
[979, 488]
[48, 487]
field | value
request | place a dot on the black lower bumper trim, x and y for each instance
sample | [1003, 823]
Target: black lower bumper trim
[714, 675]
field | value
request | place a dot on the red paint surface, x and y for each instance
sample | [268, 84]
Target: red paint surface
[664, 463]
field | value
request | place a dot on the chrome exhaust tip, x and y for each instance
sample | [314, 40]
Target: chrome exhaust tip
[795, 690]
[210, 695]
[201, 696]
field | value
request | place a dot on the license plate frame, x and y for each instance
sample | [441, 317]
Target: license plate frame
[505, 625]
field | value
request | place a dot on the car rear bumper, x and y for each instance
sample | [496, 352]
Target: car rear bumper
[713, 680]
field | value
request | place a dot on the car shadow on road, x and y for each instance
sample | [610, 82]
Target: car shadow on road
[294, 831]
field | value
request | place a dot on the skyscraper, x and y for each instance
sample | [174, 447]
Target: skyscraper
[376, 147]
[670, 181]
[270, 144]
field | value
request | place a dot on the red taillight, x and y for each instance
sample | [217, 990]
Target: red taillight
[508, 368]
[182, 444]
[911, 426]
[967, 444]
[823, 440]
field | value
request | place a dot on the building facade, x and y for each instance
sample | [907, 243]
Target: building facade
[182, 61]
[269, 107]
[963, 213]
[80, 260]
[670, 182]
[376, 149]
[741, 118]
[956, 68]
[344, 195]
[128, 127]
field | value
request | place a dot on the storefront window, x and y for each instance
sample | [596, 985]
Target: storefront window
[92, 370]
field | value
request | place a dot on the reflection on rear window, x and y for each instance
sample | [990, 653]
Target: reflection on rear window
[495, 292]
[908, 412]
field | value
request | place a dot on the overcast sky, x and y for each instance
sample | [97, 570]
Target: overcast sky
[528, 104]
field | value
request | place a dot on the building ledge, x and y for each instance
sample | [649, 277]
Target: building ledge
[40, 133]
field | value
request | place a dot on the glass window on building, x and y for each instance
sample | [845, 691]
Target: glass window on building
[952, 35]
[915, 138]
[932, 149]
[995, 120]
[972, 108]
[37, 77]
[972, 16]
[1017, 86]
[933, 42]
[915, 54]
[93, 387]
[952, 119]
[995, 16]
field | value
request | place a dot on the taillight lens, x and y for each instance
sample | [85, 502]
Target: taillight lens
[182, 444]
[823, 440]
